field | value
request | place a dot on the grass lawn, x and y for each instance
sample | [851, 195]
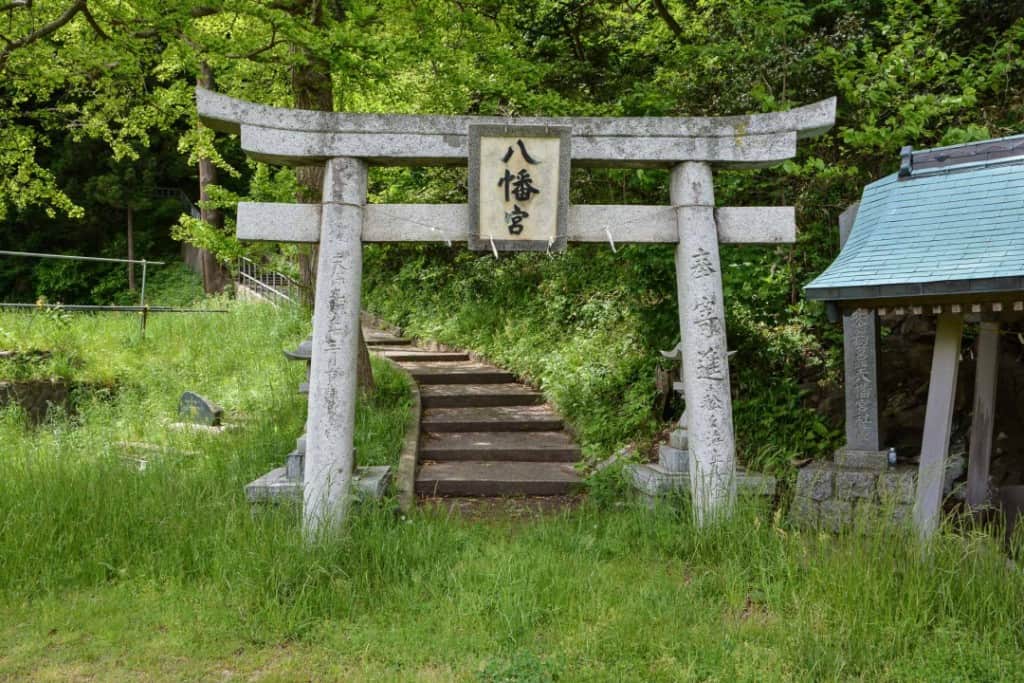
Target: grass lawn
[109, 572]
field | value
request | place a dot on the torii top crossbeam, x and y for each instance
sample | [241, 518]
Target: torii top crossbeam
[349, 143]
[294, 137]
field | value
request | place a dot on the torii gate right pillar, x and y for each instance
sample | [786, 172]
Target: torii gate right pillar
[702, 328]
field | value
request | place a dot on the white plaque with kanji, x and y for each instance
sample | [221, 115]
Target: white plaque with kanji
[518, 187]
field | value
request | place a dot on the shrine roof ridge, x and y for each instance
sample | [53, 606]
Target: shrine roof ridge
[228, 115]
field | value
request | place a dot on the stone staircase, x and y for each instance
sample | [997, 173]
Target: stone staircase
[482, 433]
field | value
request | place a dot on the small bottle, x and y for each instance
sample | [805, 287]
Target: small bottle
[892, 456]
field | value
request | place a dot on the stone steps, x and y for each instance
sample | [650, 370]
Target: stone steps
[496, 479]
[494, 419]
[463, 372]
[478, 395]
[499, 446]
[403, 354]
[483, 434]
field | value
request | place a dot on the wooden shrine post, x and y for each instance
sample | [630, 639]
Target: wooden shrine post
[349, 143]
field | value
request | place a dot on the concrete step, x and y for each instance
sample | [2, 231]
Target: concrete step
[499, 446]
[465, 372]
[495, 419]
[478, 395]
[398, 354]
[496, 479]
[384, 339]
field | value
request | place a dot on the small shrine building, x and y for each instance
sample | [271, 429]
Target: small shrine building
[943, 237]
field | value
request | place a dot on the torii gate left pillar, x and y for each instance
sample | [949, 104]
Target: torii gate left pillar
[348, 143]
[333, 376]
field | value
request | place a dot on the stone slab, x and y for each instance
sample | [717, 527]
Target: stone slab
[673, 459]
[384, 339]
[493, 419]
[855, 484]
[274, 487]
[198, 409]
[815, 482]
[654, 480]
[227, 114]
[499, 446]
[496, 479]
[415, 355]
[465, 372]
[679, 439]
[478, 395]
[628, 223]
[858, 459]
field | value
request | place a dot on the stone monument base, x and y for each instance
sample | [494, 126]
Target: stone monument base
[671, 473]
[368, 483]
[831, 495]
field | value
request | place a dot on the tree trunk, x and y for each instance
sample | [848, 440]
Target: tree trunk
[312, 89]
[215, 277]
[129, 219]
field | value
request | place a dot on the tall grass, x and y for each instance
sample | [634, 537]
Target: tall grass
[112, 572]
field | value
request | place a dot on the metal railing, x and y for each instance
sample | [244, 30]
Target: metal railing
[267, 284]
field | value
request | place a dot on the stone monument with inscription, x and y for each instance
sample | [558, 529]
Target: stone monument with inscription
[519, 177]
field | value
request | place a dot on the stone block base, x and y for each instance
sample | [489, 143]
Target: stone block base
[653, 481]
[831, 495]
[368, 483]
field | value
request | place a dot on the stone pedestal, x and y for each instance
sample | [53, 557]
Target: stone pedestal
[831, 495]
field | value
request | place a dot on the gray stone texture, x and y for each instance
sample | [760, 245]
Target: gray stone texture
[815, 482]
[199, 410]
[835, 514]
[897, 487]
[852, 484]
[274, 222]
[860, 356]
[862, 460]
[673, 459]
[679, 439]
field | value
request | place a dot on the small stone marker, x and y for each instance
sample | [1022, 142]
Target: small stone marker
[199, 410]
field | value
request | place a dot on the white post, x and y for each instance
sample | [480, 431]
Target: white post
[702, 326]
[938, 422]
[332, 383]
[983, 421]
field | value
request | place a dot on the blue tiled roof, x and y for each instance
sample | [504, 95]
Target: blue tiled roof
[947, 231]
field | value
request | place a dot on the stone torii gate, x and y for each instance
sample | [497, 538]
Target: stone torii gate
[348, 143]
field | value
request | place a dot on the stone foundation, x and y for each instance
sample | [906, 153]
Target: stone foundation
[830, 495]
[672, 473]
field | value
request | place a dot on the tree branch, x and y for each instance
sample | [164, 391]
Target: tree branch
[43, 31]
[92, 22]
[667, 17]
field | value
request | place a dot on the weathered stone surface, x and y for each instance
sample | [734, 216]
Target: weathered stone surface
[803, 512]
[227, 114]
[199, 410]
[371, 482]
[851, 485]
[865, 460]
[294, 466]
[835, 514]
[673, 459]
[897, 486]
[655, 480]
[860, 355]
[679, 439]
[304, 351]
[418, 140]
[815, 482]
[275, 222]
[702, 329]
